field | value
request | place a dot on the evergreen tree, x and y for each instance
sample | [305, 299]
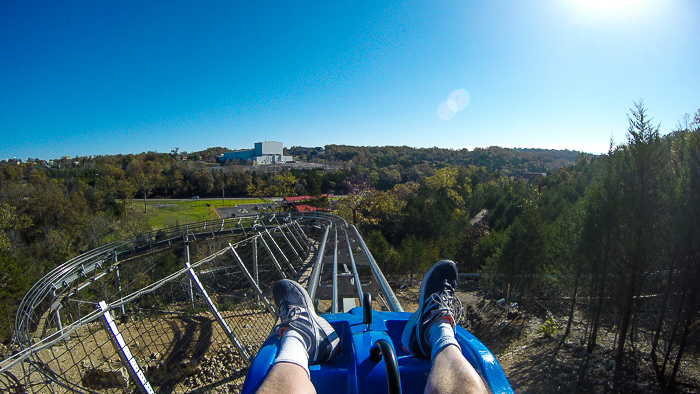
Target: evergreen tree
[643, 188]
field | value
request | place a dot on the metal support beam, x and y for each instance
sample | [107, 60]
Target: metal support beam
[242, 228]
[354, 269]
[189, 280]
[392, 301]
[253, 283]
[291, 228]
[119, 284]
[279, 250]
[296, 253]
[303, 234]
[318, 266]
[218, 316]
[272, 256]
[188, 232]
[256, 267]
[123, 350]
[56, 306]
[334, 302]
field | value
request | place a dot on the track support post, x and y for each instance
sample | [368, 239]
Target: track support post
[123, 350]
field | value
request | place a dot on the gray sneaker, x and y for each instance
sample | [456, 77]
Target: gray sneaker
[296, 312]
[437, 301]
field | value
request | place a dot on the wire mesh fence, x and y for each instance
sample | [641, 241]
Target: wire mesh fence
[178, 310]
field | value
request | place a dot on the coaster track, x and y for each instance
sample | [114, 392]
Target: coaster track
[160, 310]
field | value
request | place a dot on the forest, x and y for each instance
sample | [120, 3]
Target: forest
[618, 232]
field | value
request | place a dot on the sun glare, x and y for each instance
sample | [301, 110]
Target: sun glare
[606, 5]
[618, 9]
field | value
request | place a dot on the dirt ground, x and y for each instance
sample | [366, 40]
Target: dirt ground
[528, 357]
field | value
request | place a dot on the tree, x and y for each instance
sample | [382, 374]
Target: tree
[466, 255]
[643, 173]
[203, 181]
[599, 238]
[8, 220]
[147, 175]
[13, 285]
[679, 310]
[524, 257]
[417, 255]
[356, 199]
[383, 253]
[281, 185]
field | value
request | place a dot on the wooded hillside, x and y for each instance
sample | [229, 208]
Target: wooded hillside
[619, 233]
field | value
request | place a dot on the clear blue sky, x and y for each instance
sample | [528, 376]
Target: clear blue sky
[96, 77]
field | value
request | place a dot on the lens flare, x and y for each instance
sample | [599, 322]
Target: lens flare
[445, 112]
[457, 101]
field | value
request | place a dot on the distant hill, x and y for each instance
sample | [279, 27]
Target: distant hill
[555, 154]
[504, 160]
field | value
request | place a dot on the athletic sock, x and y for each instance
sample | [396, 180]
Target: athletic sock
[440, 335]
[293, 350]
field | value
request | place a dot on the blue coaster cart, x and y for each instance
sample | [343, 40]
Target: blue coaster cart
[373, 360]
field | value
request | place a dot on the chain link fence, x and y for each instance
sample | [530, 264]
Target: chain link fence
[178, 310]
[183, 309]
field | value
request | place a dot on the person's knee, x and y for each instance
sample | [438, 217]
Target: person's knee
[452, 373]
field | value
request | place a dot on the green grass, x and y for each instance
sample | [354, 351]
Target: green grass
[166, 213]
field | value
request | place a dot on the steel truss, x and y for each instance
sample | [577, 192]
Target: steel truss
[160, 312]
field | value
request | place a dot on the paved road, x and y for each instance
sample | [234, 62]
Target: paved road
[276, 199]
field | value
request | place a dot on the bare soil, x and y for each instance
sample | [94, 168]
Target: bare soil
[531, 360]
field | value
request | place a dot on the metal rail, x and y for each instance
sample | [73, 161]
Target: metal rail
[128, 277]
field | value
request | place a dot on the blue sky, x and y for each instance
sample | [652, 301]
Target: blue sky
[93, 78]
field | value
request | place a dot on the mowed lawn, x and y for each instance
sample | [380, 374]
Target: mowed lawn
[167, 213]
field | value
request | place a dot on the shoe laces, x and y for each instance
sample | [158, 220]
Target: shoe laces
[443, 304]
[288, 313]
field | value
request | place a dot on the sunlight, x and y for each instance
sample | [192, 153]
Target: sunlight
[618, 9]
[607, 5]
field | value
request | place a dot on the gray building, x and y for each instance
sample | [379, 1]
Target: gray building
[267, 152]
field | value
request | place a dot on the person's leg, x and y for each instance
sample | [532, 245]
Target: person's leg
[287, 378]
[305, 338]
[429, 333]
[452, 373]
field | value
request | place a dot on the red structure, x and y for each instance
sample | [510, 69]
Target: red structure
[299, 203]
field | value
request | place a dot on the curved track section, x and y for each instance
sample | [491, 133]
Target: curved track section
[182, 309]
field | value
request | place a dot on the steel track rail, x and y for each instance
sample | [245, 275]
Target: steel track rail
[299, 231]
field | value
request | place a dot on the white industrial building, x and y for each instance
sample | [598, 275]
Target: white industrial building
[267, 152]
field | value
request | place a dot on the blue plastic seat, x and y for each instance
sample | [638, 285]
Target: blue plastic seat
[352, 371]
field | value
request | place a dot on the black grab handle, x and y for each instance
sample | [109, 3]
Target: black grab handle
[367, 310]
[380, 349]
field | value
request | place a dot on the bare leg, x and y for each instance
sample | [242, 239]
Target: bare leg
[287, 378]
[452, 373]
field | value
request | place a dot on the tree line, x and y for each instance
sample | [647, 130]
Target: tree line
[51, 211]
[618, 235]
[616, 232]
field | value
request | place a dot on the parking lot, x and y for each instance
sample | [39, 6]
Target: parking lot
[243, 210]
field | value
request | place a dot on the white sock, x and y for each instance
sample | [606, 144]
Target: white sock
[293, 350]
[441, 335]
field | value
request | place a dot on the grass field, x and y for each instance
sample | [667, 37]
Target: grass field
[167, 213]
